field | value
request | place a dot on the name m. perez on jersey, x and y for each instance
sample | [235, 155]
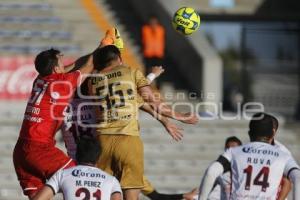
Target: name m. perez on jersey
[84, 182]
[79, 174]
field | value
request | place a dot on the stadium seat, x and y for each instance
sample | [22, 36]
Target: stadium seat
[61, 35]
[26, 6]
[29, 20]
[12, 194]
[34, 49]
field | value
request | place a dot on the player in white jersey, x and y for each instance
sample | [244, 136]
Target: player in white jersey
[84, 181]
[257, 167]
[286, 185]
[221, 190]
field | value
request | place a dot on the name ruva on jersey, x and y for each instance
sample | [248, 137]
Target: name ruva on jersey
[78, 173]
[261, 161]
[260, 151]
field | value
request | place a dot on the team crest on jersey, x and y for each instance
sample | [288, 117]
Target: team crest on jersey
[78, 173]
[260, 151]
[54, 96]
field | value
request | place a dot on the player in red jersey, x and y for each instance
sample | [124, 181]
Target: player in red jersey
[35, 156]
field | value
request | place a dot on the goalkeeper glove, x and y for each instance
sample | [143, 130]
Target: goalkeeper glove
[113, 37]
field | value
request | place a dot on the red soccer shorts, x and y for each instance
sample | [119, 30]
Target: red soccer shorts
[35, 162]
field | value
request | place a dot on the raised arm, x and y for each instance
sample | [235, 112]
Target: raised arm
[81, 63]
[173, 130]
[85, 63]
[156, 71]
[163, 109]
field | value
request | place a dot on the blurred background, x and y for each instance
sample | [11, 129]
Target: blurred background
[245, 51]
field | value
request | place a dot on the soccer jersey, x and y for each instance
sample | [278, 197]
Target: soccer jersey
[257, 169]
[78, 122]
[222, 189]
[117, 98]
[44, 112]
[84, 182]
[215, 194]
[280, 146]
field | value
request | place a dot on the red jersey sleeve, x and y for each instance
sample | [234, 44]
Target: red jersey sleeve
[74, 78]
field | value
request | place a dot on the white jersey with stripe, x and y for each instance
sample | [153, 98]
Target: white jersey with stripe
[221, 191]
[79, 120]
[280, 146]
[257, 169]
[84, 182]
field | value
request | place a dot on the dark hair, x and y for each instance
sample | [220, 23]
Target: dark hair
[275, 122]
[88, 150]
[105, 55]
[232, 139]
[45, 61]
[83, 89]
[261, 125]
[152, 16]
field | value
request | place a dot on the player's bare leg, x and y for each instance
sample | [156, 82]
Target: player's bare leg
[131, 194]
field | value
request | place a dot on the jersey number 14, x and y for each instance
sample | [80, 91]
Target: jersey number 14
[261, 178]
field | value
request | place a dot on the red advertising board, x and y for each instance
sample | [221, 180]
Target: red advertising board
[16, 77]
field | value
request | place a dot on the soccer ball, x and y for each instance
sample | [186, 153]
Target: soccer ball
[186, 20]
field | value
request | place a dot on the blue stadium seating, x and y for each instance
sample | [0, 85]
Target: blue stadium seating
[30, 20]
[27, 6]
[33, 49]
[65, 35]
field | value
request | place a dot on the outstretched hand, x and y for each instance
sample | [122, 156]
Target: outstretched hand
[190, 195]
[174, 131]
[157, 70]
[189, 118]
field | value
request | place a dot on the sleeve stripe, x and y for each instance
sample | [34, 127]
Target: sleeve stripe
[116, 192]
[225, 163]
[294, 168]
[51, 188]
[143, 86]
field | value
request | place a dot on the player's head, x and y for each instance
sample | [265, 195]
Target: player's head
[48, 62]
[275, 122]
[262, 127]
[88, 151]
[153, 20]
[232, 142]
[107, 56]
[275, 126]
